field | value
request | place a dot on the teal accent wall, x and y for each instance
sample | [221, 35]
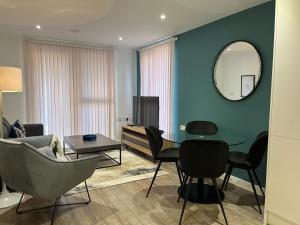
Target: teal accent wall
[195, 96]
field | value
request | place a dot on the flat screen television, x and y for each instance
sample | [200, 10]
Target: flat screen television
[146, 111]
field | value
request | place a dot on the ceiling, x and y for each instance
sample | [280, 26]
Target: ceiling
[104, 21]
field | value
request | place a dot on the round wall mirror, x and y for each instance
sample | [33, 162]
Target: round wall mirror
[237, 70]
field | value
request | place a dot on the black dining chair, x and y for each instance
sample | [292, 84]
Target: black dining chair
[201, 128]
[203, 159]
[165, 155]
[249, 161]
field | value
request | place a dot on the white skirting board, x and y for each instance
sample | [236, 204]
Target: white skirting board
[274, 219]
[243, 184]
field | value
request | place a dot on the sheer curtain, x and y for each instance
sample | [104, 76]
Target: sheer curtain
[71, 90]
[157, 73]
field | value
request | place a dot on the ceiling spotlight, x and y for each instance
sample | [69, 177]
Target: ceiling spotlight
[38, 27]
[120, 38]
[229, 49]
[163, 17]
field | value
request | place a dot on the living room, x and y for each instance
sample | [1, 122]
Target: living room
[149, 112]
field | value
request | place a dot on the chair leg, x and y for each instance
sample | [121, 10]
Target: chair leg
[157, 169]
[87, 191]
[179, 174]
[185, 199]
[258, 182]
[228, 177]
[219, 199]
[225, 178]
[19, 204]
[52, 206]
[185, 179]
[254, 190]
[53, 213]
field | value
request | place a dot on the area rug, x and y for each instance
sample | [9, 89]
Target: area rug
[133, 168]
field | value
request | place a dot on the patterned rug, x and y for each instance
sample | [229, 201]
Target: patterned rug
[133, 168]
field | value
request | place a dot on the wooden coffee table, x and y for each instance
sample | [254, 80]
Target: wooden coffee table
[100, 145]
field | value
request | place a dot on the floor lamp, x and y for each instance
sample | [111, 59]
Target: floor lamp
[10, 81]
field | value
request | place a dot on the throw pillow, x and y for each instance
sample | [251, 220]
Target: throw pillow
[20, 126]
[16, 133]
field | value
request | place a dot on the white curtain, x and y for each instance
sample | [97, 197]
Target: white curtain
[71, 90]
[157, 73]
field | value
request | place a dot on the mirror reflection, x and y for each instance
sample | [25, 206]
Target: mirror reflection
[237, 70]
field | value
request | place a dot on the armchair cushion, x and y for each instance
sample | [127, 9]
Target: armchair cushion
[47, 151]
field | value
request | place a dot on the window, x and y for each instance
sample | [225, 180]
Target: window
[156, 69]
[71, 90]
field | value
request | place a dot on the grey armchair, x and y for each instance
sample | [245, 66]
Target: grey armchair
[29, 171]
[34, 134]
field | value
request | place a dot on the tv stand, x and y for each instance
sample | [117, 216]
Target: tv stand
[135, 137]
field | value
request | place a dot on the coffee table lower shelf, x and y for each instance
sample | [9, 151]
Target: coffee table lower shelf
[116, 163]
[101, 145]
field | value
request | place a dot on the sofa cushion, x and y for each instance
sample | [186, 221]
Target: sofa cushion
[20, 126]
[16, 133]
[6, 128]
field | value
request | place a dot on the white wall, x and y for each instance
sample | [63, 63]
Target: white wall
[11, 54]
[283, 183]
[125, 61]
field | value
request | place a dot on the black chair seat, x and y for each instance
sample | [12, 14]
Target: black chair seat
[249, 161]
[169, 154]
[202, 159]
[239, 160]
[166, 155]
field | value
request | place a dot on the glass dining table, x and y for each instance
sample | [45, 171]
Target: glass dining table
[201, 192]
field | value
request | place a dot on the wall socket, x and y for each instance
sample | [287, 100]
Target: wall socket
[182, 127]
[124, 119]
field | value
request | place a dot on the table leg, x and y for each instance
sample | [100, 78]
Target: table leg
[202, 193]
[120, 156]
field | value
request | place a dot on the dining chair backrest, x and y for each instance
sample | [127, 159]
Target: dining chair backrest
[155, 140]
[258, 149]
[265, 132]
[201, 128]
[203, 159]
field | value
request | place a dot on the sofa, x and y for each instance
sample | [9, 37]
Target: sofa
[31, 129]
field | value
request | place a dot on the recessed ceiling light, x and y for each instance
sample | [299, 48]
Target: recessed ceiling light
[163, 17]
[38, 27]
[120, 38]
[229, 49]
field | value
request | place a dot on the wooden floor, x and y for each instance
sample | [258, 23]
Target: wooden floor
[126, 204]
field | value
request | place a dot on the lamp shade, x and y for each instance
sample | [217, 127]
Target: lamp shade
[10, 79]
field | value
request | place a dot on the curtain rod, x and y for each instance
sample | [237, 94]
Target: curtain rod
[156, 43]
[66, 43]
